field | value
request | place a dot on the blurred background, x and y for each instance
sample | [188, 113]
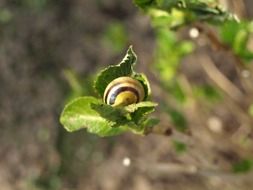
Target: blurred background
[49, 52]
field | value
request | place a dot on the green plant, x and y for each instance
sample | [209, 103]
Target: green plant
[105, 120]
[223, 84]
[167, 17]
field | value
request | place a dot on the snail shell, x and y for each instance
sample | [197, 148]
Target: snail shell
[124, 91]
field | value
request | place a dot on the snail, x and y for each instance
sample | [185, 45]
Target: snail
[124, 91]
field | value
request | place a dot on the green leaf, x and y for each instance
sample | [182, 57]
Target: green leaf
[131, 115]
[144, 3]
[190, 11]
[180, 147]
[116, 116]
[169, 53]
[228, 32]
[236, 35]
[176, 90]
[134, 107]
[145, 126]
[207, 92]
[78, 114]
[164, 18]
[143, 79]
[124, 68]
[150, 122]
[5, 15]
[177, 118]
[107, 130]
[165, 4]
[251, 110]
[243, 166]
[140, 111]
[138, 114]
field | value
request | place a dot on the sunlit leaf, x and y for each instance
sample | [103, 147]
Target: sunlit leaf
[236, 35]
[79, 114]
[124, 68]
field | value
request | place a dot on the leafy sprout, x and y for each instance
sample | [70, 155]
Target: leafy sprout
[104, 120]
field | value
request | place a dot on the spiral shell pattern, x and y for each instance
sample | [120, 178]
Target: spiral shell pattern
[124, 91]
